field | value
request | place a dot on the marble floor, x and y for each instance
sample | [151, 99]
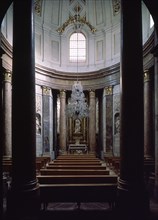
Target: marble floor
[92, 211]
[87, 211]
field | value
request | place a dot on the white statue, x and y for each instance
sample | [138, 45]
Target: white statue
[77, 126]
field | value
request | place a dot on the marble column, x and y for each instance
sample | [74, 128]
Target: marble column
[70, 129]
[109, 120]
[104, 121]
[47, 121]
[7, 103]
[1, 139]
[62, 138]
[101, 125]
[148, 116]
[92, 121]
[85, 130]
[133, 200]
[23, 198]
[55, 123]
[155, 53]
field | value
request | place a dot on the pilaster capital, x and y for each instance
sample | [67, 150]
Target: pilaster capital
[109, 90]
[46, 90]
[7, 76]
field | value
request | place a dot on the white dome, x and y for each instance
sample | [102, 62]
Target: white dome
[52, 47]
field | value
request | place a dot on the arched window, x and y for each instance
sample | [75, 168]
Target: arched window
[77, 48]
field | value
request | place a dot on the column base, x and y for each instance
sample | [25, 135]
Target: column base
[155, 193]
[23, 204]
[148, 157]
[133, 203]
[108, 154]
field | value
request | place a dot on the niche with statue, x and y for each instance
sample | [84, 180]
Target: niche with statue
[77, 131]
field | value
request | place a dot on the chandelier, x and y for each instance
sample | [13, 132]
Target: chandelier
[77, 106]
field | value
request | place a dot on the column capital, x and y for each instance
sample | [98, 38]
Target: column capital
[91, 90]
[62, 90]
[92, 93]
[109, 90]
[7, 75]
[46, 90]
[62, 93]
[147, 75]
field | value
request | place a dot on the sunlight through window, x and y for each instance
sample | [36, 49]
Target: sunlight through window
[151, 22]
[77, 47]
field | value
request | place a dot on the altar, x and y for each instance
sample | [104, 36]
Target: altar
[78, 148]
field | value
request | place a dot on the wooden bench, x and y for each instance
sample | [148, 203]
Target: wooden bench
[46, 159]
[77, 160]
[76, 157]
[91, 192]
[75, 163]
[77, 182]
[73, 172]
[67, 179]
[96, 167]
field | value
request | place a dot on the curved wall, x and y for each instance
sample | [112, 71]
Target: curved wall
[52, 48]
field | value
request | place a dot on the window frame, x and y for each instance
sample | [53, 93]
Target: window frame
[78, 59]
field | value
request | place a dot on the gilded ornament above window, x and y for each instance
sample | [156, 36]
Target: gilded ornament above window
[116, 6]
[38, 7]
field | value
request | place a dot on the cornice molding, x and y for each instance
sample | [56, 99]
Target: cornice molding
[94, 79]
[6, 46]
[149, 45]
[155, 51]
[80, 75]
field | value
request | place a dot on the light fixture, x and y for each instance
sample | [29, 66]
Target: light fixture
[77, 106]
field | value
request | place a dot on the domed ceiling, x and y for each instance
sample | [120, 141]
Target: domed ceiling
[100, 24]
[55, 22]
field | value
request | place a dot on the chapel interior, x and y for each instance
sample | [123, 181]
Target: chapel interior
[79, 109]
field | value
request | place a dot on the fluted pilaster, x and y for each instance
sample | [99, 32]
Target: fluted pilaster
[155, 53]
[148, 114]
[92, 121]
[109, 119]
[62, 137]
[47, 120]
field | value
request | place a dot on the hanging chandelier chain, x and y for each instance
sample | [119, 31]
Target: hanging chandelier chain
[77, 104]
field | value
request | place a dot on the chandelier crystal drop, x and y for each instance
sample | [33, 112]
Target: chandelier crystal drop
[77, 105]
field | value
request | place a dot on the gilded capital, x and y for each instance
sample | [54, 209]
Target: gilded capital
[38, 7]
[146, 75]
[92, 93]
[116, 6]
[63, 93]
[46, 90]
[7, 76]
[109, 90]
